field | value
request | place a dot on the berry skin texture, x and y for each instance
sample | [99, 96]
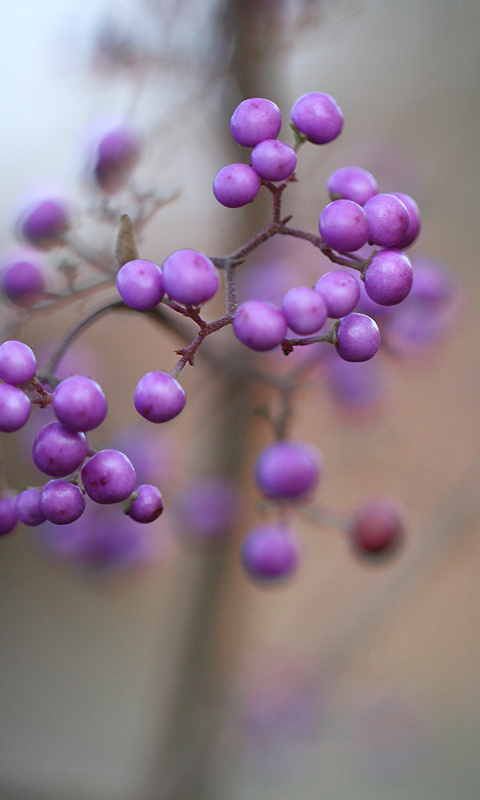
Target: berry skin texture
[79, 403]
[288, 470]
[352, 183]
[17, 362]
[15, 408]
[270, 553]
[108, 477]
[147, 504]
[8, 514]
[388, 277]
[22, 282]
[358, 337]
[158, 397]
[388, 220]
[343, 225]
[318, 116]
[254, 120]
[236, 185]
[340, 291]
[57, 452]
[377, 529]
[62, 502]
[273, 160]
[140, 284]
[259, 325]
[189, 277]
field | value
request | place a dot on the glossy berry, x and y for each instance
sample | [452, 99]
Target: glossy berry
[358, 337]
[57, 451]
[388, 277]
[147, 503]
[17, 362]
[259, 325]
[304, 309]
[8, 514]
[189, 277]
[44, 223]
[270, 552]
[22, 281]
[343, 225]
[352, 183]
[235, 185]
[377, 529]
[254, 120]
[79, 403]
[158, 397]
[108, 477]
[318, 116]
[28, 507]
[341, 292]
[273, 160]
[288, 470]
[15, 408]
[62, 502]
[388, 220]
[140, 284]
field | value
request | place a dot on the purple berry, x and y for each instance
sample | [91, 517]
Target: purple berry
[62, 502]
[340, 291]
[140, 284]
[45, 222]
[388, 277]
[259, 325]
[318, 117]
[288, 470]
[29, 507]
[235, 185]
[388, 220]
[414, 222]
[22, 281]
[114, 157]
[147, 504]
[358, 337]
[343, 225]
[273, 160]
[17, 362]
[304, 309]
[352, 183]
[57, 451]
[189, 277]
[377, 528]
[15, 408]
[108, 477]
[158, 397]
[8, 514]
[79, 403]
[270, 553]
[254, 120]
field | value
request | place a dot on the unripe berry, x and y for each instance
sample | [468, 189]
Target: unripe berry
[377, 529]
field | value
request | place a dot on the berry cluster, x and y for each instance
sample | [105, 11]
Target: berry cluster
[361, 230]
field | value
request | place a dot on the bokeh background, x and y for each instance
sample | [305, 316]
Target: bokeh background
[178, 678]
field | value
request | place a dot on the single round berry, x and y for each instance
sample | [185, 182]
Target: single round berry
[44, 223]
[343, 225]
[254, 120]
[340, 291]
[114, 157]
[29, 507]
[79, 403]
[158, 397]
[388, 277]
[140, 284]
[57, 451]
[377, 529]
[189, 277]
[147, 504]
[15, 408]
[235, 185]
[17, 362]
[318, 116]
[304, 309]
[288, 470]
[273, 160]
[414, 222]
[259, 325]
[270, 553]
[108, 477]
[358, 337]
[388, 220]
[22, 281]
[352, 183]
[62, 502]
[8, 514]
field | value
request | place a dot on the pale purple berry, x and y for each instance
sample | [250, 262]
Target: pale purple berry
[388, 220]
[273, 160]
[318, 116]
[388, 277]
[17, 362]
[158, 397]
[235, 185]
[29, 507]
[8, 514]
[358, 337]
[270, 552]
[79, 403]
[259, 325]
[147, 503]
[189, 277]
[15, 408]
[57, 451]
[352, 183]
[304, 309]
[22, 281]
[254, 120]
[114, 157]
[288, 470]
[45, 222]
[108, 477]
[62, 502]
[343, 225]
[414, 222]
[340, 291]
[140, 284]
